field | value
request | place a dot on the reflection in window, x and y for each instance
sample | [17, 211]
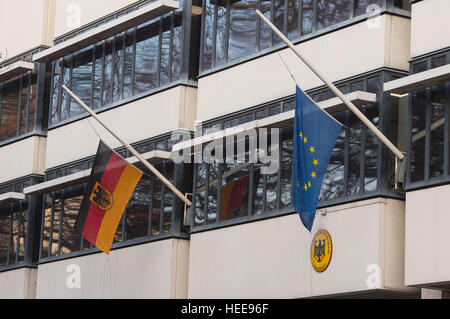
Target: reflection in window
[242, 33]
[122, 66]
[330, 12]
[13, 232]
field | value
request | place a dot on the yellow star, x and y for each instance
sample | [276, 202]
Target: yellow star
[312, 150]
[306, 187]
[314, 175]
[309, 184]
[305, 140]
[301, 135]
[316, 162]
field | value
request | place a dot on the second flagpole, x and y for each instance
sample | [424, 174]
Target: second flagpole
[335, 90]
[131, 149]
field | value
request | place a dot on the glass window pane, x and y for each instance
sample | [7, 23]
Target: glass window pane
[165, 52]
[168, 199]
[128, 65]
[23, 215]
[361, 7]
[65, 67]
[258, 197]
[208, 35]
[98, 75]
[4, 234]
[81, 80]
[9, 109]
[234, 193]
[221, 36]
[118, 67]
[333, 183]
[354, 170]
[242, 41]
[71, 239]
[147, 52]
[177, 48]
[32, 108]
[287, 151]
[437, 112]
[418, 120]
[46, 226]
[54, 95]
[138, 210]
[331, 12]
[371, 151]
[278, 19]
[156, 213]
[265, 32]
[108, 73]
[23, 106]
[292, 19]
[307, 16]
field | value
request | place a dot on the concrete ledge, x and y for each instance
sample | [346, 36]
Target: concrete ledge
[418, 81]
[15, 69]
[83, 176]
[107, 30]
[12, 197]
[285, 119]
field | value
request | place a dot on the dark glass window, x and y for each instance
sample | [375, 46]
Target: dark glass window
[330, 12]
[125, 65]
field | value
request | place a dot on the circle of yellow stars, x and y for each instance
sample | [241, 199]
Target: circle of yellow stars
[312, 150]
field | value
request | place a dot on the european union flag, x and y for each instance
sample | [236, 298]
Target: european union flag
[315, 135]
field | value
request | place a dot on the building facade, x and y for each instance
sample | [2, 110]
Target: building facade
[152, 68]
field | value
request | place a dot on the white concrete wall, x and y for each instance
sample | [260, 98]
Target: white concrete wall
[154, 270]
[427, 236]
[271, 258]
[86, 10]
[151, 116]
[24, 25]
[22, 158]
[18, 284]
[338, 55]
[430, 27]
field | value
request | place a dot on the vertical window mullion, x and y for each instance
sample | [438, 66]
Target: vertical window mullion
[352, 9]
[258, 28]
[285, 20]
[346, 155]
[280, 145]
[251, 188]
[300, 24]
[69, 99]
[272, 18]
[202, 34]
[59, 99]
[362, 169]
[94, 58]
[113, 68]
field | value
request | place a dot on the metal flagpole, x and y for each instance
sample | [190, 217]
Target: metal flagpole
[335, 90]
[131, 149]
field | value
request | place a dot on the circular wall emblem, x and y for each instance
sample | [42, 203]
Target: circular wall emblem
[321, 251]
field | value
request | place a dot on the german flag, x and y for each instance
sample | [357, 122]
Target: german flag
[108, 191]
[233, 197]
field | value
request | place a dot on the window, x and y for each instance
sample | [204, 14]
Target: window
[231, 30]
[237, 191]
[150, 213]
[428, 137]
[14, 223]
[126, 65]
[18, 105]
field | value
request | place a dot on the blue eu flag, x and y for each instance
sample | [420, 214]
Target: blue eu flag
[315, 135]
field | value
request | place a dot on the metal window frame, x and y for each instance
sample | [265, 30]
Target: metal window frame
[382, 189]
[445, 177]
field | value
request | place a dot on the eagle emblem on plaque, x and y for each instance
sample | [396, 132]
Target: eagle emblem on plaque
[101, 197]
[321, 251]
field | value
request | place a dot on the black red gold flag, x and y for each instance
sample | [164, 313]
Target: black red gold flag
[108, 191]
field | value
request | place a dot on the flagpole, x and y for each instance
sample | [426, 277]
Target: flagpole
[335, 90]
[131, 149]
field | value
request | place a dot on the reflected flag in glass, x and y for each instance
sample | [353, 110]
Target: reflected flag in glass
[315, 134]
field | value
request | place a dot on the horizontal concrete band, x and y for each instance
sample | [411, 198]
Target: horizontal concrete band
[285, 119]
[107, 30]
[83, 176]
[418, 81]
[15, 69]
